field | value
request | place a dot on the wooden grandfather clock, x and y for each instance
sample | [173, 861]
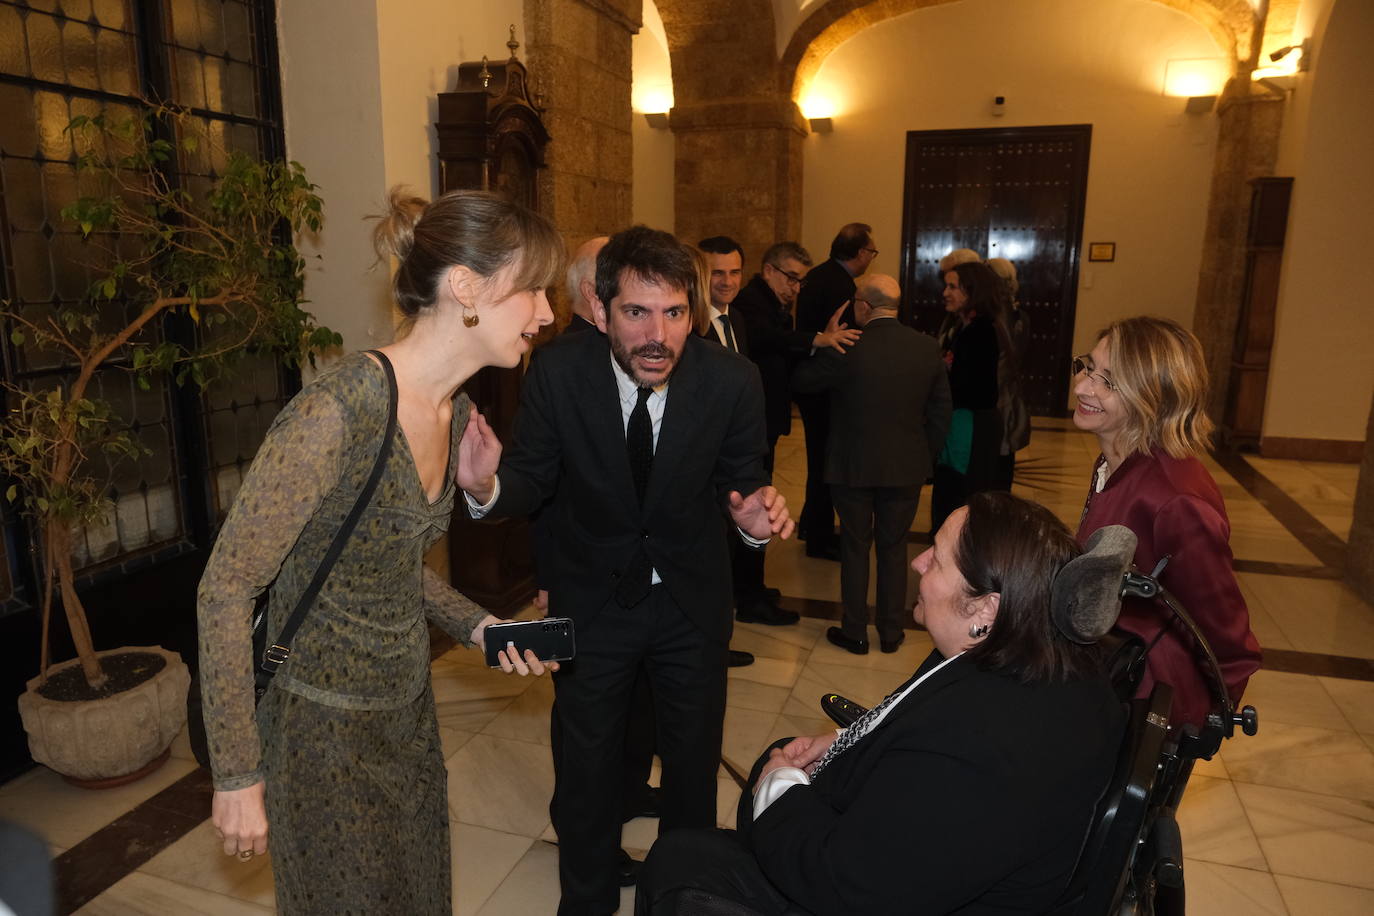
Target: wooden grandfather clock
[491, 137]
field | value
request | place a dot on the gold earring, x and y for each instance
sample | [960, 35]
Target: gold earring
[469, 320]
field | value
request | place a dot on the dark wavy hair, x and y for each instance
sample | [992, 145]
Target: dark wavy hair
[651, 255]
[1014, 547]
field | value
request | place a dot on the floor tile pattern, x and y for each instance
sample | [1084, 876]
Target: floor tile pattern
[1281, 823]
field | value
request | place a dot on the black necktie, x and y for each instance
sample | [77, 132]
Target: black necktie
[639, 446]
[730, 343]
[639, 442]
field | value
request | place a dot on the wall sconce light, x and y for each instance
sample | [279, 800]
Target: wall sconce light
[1199, 104]
[1281, 77]
[822, 125]
[1195, 77]
[657, 119]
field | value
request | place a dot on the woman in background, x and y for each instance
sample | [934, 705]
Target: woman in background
[977, 298]
[342, 758]
[1142, 392]
[1010, 373]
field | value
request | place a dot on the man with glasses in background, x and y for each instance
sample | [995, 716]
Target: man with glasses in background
[828, 288]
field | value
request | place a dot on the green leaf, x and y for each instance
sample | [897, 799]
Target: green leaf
[12, 493]
[17, 337]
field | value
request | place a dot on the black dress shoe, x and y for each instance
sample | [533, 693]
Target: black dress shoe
[739, 659]
[645, 804]
[837, 637]
[823, 551]
[766, 613]
[892, 645]
[772, 594]
[627, 870]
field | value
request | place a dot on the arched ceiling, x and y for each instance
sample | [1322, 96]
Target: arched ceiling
[832, 22]
[720, 49]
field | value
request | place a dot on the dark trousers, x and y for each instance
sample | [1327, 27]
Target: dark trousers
[594, 694]
[746, 563]
[881, 517]
[818, 514]
[638, 761]
[1006, 472]
[711, 872]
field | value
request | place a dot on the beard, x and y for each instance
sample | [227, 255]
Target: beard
[624, 358]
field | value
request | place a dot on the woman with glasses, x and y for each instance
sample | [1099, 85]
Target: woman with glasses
[1142, 392]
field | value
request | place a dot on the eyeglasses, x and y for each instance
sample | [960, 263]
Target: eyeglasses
[872, 251]
[794, 278]
[1080, 365]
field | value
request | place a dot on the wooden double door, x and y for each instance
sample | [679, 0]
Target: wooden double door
[1015, 193]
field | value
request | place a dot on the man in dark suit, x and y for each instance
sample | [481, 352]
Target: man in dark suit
[890, 411]
[829, 287]
[649, 444]
[754, 601]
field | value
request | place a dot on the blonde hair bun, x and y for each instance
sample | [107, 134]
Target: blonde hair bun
[394, 233]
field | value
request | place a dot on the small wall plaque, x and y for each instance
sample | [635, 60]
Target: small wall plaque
[1102, 251]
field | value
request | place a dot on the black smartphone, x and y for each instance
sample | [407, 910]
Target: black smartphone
[551, 639]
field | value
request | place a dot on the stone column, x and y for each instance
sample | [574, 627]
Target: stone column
[1247, 147]
[739, 172]
[738, 135]
[580, 64]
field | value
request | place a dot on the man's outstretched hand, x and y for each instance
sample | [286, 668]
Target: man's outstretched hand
[762, 514]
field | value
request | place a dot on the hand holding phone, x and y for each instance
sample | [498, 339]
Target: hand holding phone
[551, 639]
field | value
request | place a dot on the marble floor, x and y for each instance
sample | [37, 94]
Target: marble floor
[1281, 823]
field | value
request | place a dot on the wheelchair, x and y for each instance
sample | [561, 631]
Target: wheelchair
[1131, 859]
[1131, 863]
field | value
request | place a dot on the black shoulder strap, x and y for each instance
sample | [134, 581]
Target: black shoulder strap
[280, 651]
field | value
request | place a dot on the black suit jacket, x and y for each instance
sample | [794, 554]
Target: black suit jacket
[737, 327]
[889, 406]
[774, 346]
[569, 449]
[973, 796]
[827, 287]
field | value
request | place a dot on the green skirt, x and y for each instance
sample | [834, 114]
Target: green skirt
[357, 807]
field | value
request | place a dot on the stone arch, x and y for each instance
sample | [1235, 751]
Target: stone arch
[719, 48]
[1231, 22]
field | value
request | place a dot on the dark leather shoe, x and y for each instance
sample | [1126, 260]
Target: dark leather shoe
[837, 637]
[645, 804]
[739, 659]
[823, 551]
[772, 594]
[627, 870]
[766, 613]
[892, 645]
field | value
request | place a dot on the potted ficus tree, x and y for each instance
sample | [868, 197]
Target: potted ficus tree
[222, 257]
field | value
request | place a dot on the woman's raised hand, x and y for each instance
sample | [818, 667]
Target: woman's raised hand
[479, 455]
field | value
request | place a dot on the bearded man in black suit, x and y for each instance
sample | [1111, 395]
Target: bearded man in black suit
[648, 444]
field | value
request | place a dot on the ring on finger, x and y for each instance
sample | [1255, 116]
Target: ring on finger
[245, 854]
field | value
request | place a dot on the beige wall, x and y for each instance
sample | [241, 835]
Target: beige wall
[333, 118]
[654, 149]
[1322, 370]
[939, 68]
[359, 81]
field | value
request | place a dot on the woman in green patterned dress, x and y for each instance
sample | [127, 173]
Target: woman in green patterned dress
[342, 758]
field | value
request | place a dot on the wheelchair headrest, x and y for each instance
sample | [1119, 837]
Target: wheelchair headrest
[1086, 596]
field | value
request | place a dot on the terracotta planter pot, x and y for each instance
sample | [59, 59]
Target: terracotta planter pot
[111, 737]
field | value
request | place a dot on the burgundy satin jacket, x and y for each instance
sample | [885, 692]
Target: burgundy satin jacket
[1175, 508]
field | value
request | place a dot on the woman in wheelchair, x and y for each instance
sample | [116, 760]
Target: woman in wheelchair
[969, 789]
[1143, 392]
